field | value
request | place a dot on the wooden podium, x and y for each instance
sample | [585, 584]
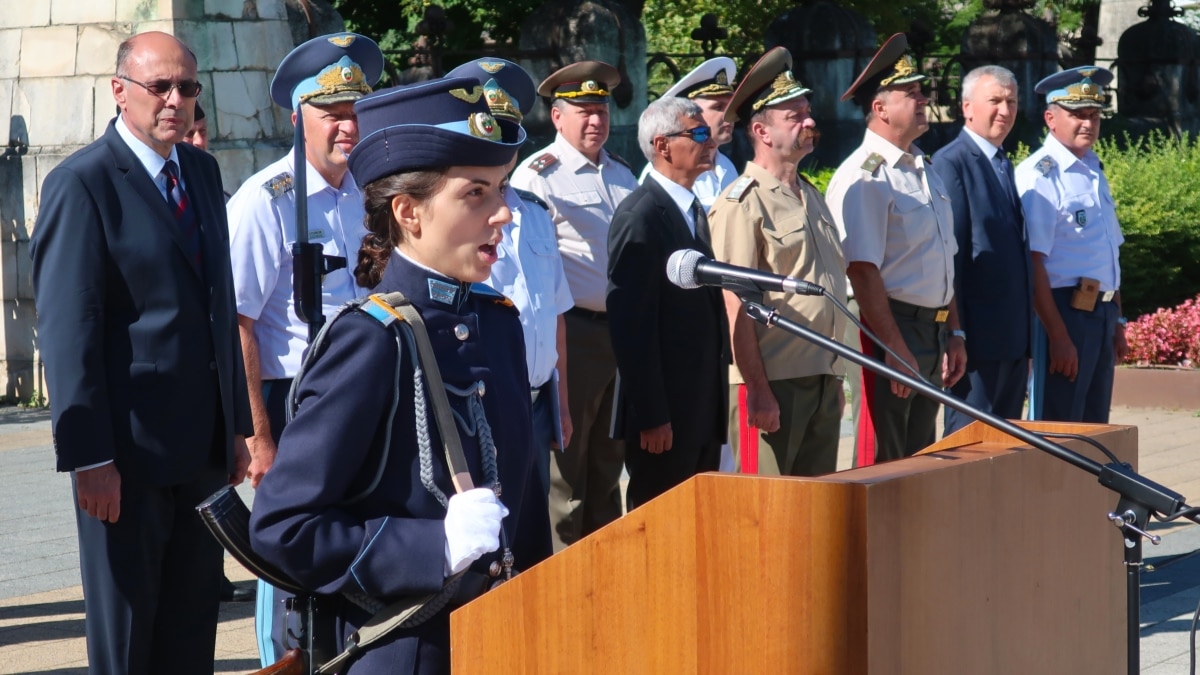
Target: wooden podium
[980, 555]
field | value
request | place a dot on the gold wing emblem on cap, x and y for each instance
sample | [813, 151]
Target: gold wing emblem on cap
[470, 97]
[491, 67]
[903, 68]
[342, 41]
[337, 79]
[500, 102]
[483, 125]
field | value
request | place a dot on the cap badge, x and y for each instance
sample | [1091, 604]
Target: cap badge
[500, 102]
[338, 79]
[491, 67]
[470, 97]
[903, 68]
[483, 125]
[590, 85]
[722, 78]
[784, 84]
[342, 41]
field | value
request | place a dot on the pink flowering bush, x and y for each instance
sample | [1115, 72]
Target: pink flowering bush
[1168, 337]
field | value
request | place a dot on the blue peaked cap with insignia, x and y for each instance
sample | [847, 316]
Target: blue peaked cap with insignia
[1081, 87]
[508, 88]
[328, 69]
[439, 123]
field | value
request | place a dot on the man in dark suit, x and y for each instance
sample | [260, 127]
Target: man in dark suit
[138, 332]
[671, 345]
[993, 283]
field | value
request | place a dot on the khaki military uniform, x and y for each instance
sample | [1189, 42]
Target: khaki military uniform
[760, 223]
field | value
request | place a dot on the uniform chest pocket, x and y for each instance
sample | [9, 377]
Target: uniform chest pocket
[907, 202]
[581, 199]
[544, 247]
[1081, 210]
[786, 232]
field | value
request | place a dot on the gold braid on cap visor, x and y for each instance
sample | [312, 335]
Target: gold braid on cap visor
[1081, 92]
[903, 68]
[339, 79]
[783, 85]
[577, 94]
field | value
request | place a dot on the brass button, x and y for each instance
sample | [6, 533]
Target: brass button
[494, 569]
[462, 332]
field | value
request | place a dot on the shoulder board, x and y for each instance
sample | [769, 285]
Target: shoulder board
[528, 196]
[872, 163]
[619, 160]
[485, 291]
[379, 307]
[542, 162]
[279, 185]
[739, 188]
[1045, 165]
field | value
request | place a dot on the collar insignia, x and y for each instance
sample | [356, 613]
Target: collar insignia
[443, 292]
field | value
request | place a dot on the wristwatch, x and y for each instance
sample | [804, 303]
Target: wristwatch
[959, 333]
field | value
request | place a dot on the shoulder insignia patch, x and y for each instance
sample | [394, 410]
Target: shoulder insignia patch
[619, 159]
[543, 162]
[528, 196]
[872, 163]
[279, 185]
[1045, 165]
[739, 188]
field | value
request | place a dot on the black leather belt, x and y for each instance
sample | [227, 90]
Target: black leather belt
[935, 314]
[588, 314]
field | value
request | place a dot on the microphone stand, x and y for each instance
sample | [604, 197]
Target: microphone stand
[1139, 497]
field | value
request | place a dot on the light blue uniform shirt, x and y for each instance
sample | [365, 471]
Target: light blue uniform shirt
[529, 272]
[1071, 216]
[262, 228]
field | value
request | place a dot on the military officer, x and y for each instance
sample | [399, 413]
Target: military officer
[583, 183]
[773, 220]
[360, 502]
[1075, 238]
[710, 86]
[325, 76]
[899, 246]
[529, 269]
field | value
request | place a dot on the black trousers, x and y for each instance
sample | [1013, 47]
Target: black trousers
[151, 580]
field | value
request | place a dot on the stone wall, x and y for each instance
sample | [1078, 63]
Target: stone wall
[57, 58]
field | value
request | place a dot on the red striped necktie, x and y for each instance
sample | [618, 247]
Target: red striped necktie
[185, 215]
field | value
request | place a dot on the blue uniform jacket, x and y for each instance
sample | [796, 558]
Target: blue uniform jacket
[392, 543]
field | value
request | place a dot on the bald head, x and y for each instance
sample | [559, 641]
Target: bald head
[150, 62]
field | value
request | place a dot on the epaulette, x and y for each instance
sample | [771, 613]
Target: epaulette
[530, 197]
[738, 189]
[483, 290]
[543, 162]
[619, 160]
[279, 185]
[872, 163]
[1045, 165]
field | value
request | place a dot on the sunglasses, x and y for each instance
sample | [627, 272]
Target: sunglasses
[699, 134]
[187, 88]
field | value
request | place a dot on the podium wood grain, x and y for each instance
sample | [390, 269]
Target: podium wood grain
[978, 557]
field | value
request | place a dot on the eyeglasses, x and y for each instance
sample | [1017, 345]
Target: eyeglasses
[699, 134]
[187, 88]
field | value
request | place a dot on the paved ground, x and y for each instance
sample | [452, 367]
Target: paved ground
[41, 606]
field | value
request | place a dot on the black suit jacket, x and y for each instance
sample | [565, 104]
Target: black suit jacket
[992, 274]
[671, 344]
[142, 356]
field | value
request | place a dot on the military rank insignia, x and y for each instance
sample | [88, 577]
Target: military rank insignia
[440, 291]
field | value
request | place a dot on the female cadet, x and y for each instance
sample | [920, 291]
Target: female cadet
[359, 504]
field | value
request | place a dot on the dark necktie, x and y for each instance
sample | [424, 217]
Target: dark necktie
[702, 232]
[185, 215]
[1004, 172]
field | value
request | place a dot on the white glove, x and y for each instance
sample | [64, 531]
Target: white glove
[472, 527]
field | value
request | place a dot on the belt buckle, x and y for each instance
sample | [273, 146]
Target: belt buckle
[1107, 296]
[942, 315]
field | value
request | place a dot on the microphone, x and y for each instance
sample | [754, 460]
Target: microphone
[688, 268]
